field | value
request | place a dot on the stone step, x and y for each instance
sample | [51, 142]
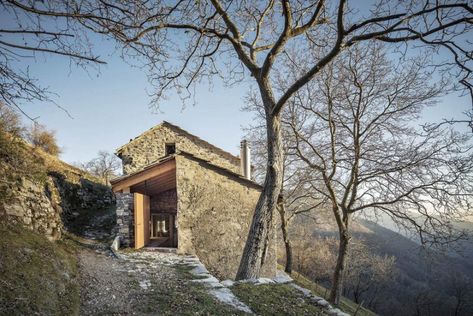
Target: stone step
[161, 249]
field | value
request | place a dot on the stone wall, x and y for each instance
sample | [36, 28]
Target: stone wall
[35, 205]
[214, 214]
[125, 218]
[164, 202]
[150, 146]
[46, 205]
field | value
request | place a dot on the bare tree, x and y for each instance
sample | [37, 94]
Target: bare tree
[425, 302]
[10, 121]
[16, 158]
[366, 272]
[314, 256]
[189, 41]
[298, 198]
[105, 166]
[25, 37]
[357, 126]
[461, 288]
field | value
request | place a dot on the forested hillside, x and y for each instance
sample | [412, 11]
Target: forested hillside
[390, 273]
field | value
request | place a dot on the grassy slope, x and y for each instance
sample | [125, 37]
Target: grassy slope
[346, 305]
[192, 299]
[279, 299]
[37, 276]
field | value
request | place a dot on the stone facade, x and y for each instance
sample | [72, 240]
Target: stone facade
[214, 203]
[215, 210]
[150, 146]
[125, 218]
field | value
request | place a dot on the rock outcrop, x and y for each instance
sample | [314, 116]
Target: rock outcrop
[45, 203]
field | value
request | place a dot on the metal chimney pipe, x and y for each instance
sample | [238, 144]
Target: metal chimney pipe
[245, 159]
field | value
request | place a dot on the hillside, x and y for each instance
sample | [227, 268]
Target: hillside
[424, 281]
[42, 192]
[56, 223]
[81, 276]
[37, 276]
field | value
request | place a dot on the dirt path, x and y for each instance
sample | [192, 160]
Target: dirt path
[112, 287]
[104, 288]
[142, 283]
[136, 283]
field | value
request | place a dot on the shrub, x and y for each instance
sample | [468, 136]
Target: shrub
[10, 121]
[16, 159]
[40, 137]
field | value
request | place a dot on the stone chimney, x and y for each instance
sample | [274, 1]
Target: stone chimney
[245, 159]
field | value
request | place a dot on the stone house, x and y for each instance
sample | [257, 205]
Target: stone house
[179, 191]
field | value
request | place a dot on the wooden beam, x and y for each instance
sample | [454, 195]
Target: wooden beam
[154, 171]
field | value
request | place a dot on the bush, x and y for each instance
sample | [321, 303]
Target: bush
[10, 121]
[40, 137]
[16, 158]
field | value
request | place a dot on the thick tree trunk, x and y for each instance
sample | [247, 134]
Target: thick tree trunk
[285, 237]
[338, 275]
[258, 237]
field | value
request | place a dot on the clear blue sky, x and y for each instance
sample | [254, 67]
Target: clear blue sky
[112, 106]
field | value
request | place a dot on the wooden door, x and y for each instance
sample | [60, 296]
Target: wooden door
[141, 220]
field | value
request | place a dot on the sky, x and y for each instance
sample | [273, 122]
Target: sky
[111, 106]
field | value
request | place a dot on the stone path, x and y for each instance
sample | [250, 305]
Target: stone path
[147, 283]
[329, 309]
[154, 260]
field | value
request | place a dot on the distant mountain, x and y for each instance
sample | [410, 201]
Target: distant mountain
[427, 282]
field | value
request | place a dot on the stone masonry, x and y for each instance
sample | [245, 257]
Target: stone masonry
[46, 206]
[150, 146]
[214, 203]
[125, 218]
[215, 210]
[164, 202]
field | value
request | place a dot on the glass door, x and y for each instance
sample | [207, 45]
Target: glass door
[160, 226]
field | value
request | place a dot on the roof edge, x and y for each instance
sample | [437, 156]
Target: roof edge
[234, 175]
[187, 155]
[179, 129]
[151, 165]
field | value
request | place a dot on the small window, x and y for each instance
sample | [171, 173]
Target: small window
[170, 149]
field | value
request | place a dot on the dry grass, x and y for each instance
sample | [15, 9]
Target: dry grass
[346, 305]
[37, 276]
[275, 299]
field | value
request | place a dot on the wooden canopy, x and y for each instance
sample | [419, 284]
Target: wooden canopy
[156, 178]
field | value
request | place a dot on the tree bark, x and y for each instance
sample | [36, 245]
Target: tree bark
[258, 237]
[285, 237]
[338, 275]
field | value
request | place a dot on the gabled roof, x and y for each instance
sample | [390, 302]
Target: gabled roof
[233, 175]
[195, 138]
